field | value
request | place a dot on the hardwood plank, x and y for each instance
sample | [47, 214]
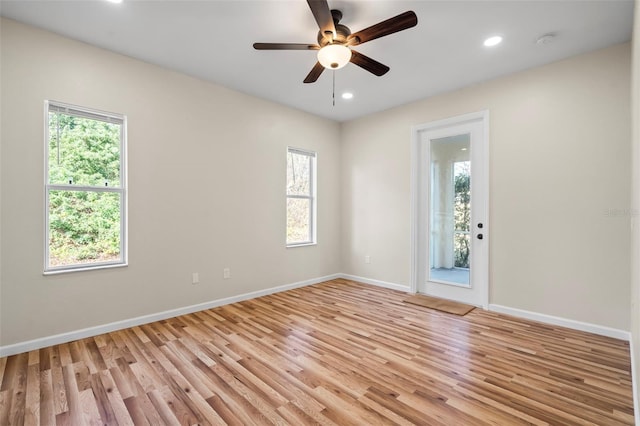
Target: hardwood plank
[60, 403]
[295, 415]
[34, 358]
[103, 404]
[122, 384]
[116, 401]
[64, 354]
[246, 396]
[90, 410]
[45, 355]
[18, 408]
[335, 353]
[241, 408]
[109, 351]
[9, 373]
[143, 406]
[164, 408]
[6, 397]
[3, 365]
[46, 403]
[180, 388]
[75, 413]
[32, 398]
[136, 411]
[188, 371]
[286, 385]
[95, 356]
[224, 411]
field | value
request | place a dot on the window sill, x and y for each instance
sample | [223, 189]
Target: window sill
[83, 268]
[301, 245]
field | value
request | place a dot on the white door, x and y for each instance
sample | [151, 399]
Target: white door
[450, 212]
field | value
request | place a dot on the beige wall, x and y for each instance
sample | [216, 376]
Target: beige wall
[559, 150]
[206, 188]
[635, 206]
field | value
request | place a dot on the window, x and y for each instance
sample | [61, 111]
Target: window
[85, 187]
[301, 201]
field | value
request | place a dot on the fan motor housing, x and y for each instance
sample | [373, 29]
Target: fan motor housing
[342, 31]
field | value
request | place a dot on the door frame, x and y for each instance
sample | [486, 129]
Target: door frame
[419, 207]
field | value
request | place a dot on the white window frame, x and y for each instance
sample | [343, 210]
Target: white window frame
[311, 197]
[52, 106]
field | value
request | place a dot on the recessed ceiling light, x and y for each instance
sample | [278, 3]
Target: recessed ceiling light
[347, 95]
[493, 41]
[463, 149]
[114, 1]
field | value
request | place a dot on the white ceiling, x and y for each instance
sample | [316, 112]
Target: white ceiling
[212, 40]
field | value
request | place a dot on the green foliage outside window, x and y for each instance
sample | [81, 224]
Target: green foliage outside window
[462, 214]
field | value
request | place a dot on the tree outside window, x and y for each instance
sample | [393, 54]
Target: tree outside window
[462, 213]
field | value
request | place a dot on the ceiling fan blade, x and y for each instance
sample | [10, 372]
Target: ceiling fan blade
[315, 73]
[392, 25]
[368, 64]
[285, 46]
[322, 13]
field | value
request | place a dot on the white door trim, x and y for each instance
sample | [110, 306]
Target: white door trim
[417, 209]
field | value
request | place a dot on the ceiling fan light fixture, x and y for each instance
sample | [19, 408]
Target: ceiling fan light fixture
[334, 56]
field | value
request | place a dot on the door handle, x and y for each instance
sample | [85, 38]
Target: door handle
[480, 236]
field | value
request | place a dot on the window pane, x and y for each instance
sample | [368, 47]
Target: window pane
[298, 220]
[84, 227]
[83, 151]
[298, 174]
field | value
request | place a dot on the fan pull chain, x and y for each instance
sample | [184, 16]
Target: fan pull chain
[334, 89]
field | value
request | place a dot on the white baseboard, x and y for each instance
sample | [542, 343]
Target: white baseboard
[563, 322]
[378, 283]
[43, 342]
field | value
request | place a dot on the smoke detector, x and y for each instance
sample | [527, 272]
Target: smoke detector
[546, 38]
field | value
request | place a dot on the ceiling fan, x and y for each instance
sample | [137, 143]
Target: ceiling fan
[335, 40]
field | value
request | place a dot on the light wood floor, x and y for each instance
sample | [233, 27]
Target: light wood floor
[334, 353]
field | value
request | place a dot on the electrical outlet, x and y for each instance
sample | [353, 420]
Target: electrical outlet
[195, 278]
[367, 259]
[226, 273]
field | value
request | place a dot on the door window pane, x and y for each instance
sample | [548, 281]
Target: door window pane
[462, 213]
[450, 209]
